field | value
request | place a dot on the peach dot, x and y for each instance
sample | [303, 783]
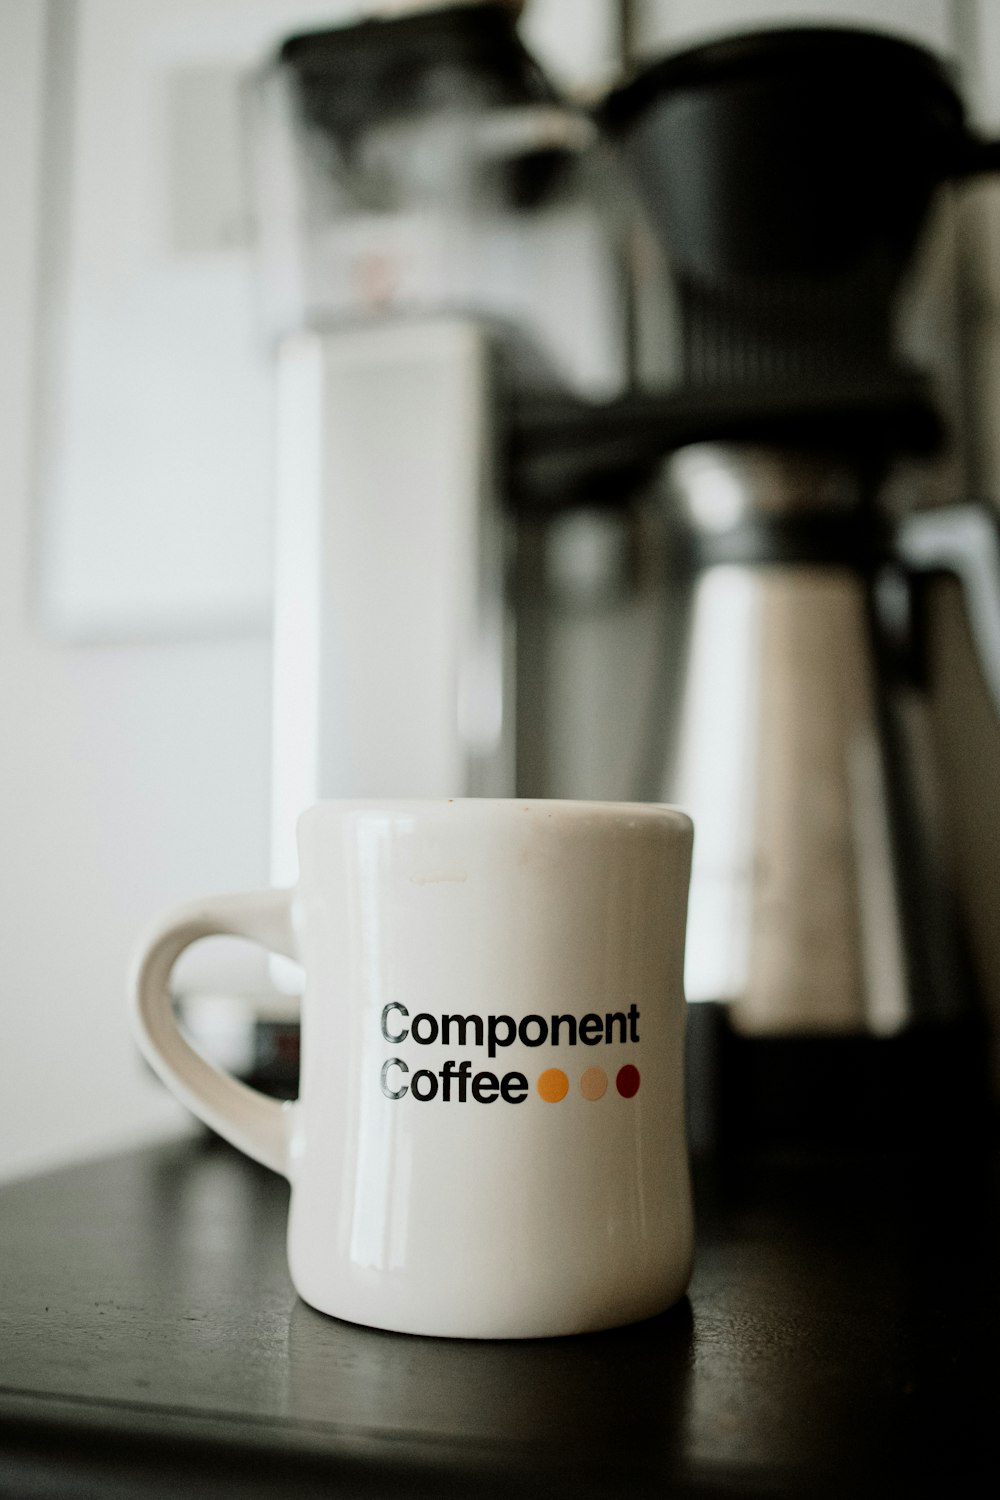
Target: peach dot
[553, 1085]
[594, 1083]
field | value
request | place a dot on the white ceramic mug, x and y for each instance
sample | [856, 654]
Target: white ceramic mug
[489, 1138]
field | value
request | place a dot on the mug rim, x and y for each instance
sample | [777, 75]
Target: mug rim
[667, 814]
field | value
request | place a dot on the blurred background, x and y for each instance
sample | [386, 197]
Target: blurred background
[588, 398]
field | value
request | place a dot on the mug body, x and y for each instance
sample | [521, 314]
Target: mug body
[489, 1140]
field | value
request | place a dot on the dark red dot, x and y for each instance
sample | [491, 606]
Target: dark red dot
[627, 1082]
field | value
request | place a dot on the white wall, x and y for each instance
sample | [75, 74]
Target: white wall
[667, 24]
[130, 777]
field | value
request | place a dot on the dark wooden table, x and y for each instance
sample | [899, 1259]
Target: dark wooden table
[841, 1338]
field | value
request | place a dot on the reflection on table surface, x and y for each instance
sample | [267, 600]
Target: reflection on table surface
[840, 1321]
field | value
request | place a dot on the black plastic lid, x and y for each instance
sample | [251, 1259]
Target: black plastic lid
[350, 76]
[826, 53]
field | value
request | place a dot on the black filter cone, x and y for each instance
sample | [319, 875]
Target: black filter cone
[789, 174]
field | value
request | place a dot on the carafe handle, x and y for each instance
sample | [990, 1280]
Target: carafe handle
[963, 540]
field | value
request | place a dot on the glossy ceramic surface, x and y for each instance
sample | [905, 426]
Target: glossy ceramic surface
[489, 1141]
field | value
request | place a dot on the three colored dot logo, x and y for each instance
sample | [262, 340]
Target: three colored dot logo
[553, 1084]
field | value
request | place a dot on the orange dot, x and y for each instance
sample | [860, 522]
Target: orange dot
[594, 1083]
[553, 1085]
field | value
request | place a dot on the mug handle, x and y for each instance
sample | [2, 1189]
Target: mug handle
[245, 1117]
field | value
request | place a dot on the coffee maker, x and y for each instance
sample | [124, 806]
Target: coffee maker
[422, 187]
[498, 575]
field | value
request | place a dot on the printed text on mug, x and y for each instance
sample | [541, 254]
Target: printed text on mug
[456, 1082]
